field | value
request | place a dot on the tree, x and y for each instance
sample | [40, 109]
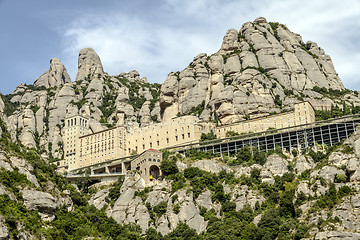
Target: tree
[244, 155]
[259, 157]
[231, 134]
[255, 174]
[168, 167]
[278, 101]
[207, 136]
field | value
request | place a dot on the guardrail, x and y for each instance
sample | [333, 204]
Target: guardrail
[100, 175]
[267, 132]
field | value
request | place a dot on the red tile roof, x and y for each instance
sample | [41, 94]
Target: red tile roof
[154, 150]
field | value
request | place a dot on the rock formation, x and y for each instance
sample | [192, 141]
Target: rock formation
[262, 68]
[89, 64]
[253, 66]
[2, 106]
[55, 76]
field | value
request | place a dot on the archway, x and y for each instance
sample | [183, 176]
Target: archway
[154, 171]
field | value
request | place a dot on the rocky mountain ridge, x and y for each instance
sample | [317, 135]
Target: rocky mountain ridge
[35, 114]
[263, 68]
[260, 69]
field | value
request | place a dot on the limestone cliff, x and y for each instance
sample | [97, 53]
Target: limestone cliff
[262, 68]
[315, 196]
[36, 113]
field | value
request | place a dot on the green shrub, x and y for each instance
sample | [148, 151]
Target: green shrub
[228, 177]
[278, 101]
[198, 109]
[305, 175]
[176, 208]
[174, 198]
[178, 181]
[198, 155]
[15, 213]
[231, 134]
[317, 156]
[144, 193]
[244, 155]
[168, 167]
[160, 209]
[207, 136]
[340, 178]
[114, 191]
[192, 172]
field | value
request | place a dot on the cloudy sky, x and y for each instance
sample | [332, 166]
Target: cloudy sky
[159, 36]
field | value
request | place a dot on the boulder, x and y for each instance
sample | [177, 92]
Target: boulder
[98, 200]
[232, 65]
[327, 172]
[303, 163]
[157, 196]
[4, 232]
[43, 202]
[163, 225]
[230, 40]
[204, 200]
[276, 165]
[119, 210]
[334, 235]
[25, 168]
[209, 165]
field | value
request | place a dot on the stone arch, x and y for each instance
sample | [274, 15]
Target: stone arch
[154, 171]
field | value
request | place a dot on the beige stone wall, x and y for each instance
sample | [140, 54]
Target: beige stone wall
[148, 163]
[179, 131]
[117, 142]
[75, 127]
[303, 113]
[102, 146]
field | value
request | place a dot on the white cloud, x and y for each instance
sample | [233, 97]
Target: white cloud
[174, 32]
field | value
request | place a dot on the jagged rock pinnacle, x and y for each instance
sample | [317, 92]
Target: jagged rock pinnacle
[55, 76]
[260, 20]
[88, 63]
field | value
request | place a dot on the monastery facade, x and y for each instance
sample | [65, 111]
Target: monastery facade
[83, 149]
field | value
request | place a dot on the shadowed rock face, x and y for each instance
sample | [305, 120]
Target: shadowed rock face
[89, 64]
[255, 64]
[55, 76]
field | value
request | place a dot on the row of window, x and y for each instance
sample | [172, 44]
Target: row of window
[150, 160]
[81, 122]
[158, 143]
